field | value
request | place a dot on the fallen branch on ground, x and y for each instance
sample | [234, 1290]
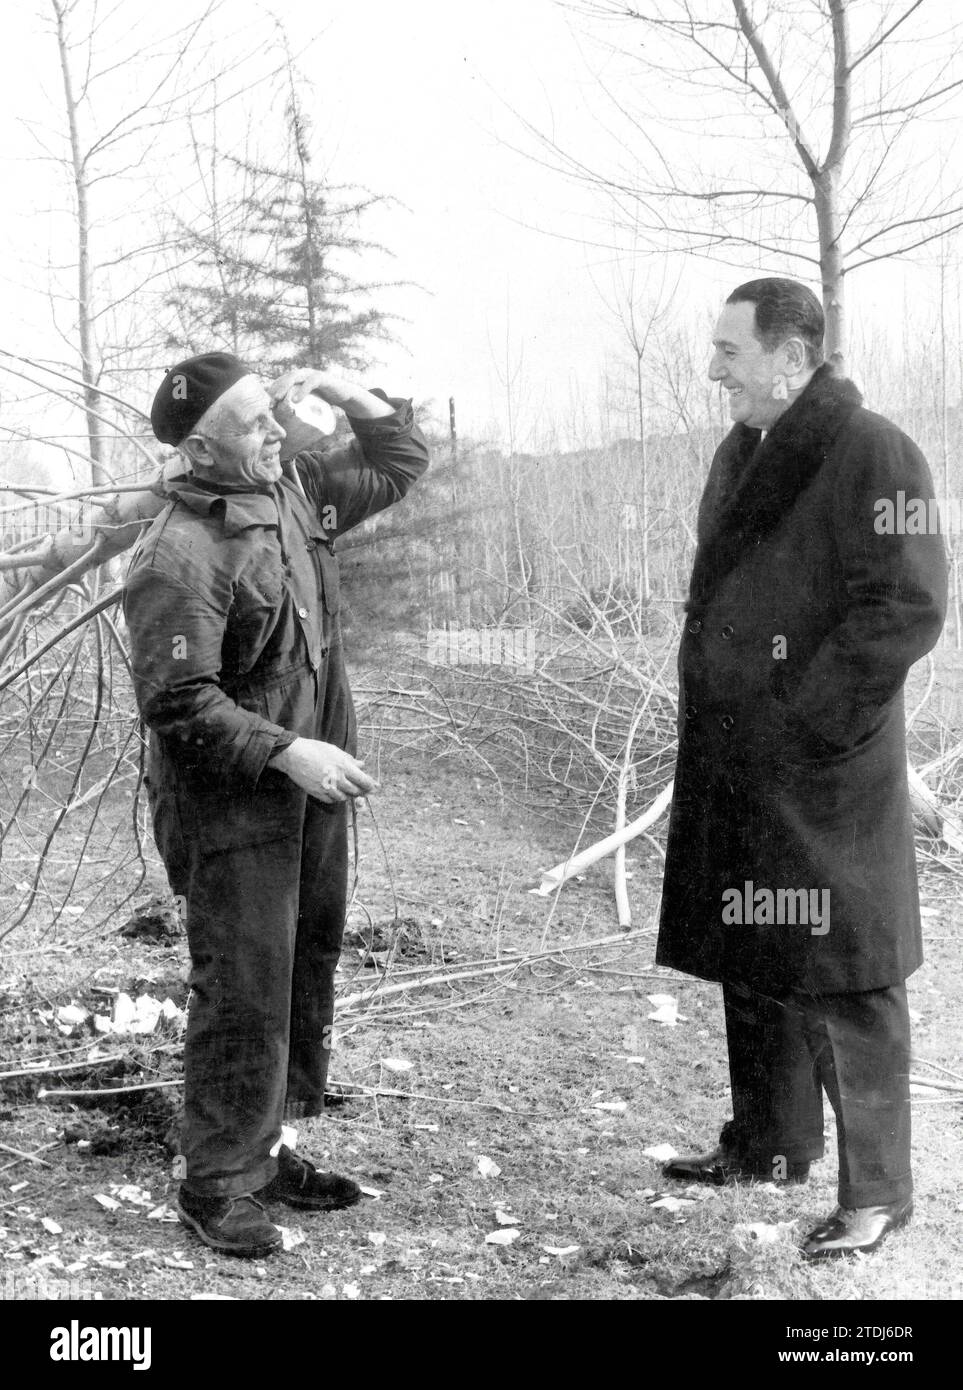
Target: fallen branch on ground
[554, 878]
[30, 1158]
[494, 968]
[937, 822]
[338, 1088]
[25, 1157]
[107, 1091]
[940, 825]
[44, 1069]
[354, 1001]
[936, 1085]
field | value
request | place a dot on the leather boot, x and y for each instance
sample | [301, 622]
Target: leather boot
[299, 1184]
[233, 1225]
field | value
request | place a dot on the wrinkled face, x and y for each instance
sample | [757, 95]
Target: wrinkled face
[745, 368]
[241, 438]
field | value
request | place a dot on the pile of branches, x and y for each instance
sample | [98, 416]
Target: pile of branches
[70, 738]
[73, 825]
[586, 722]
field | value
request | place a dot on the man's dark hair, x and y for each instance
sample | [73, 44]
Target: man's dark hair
[784, 309]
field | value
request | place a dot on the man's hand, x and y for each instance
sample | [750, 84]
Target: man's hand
[355, 401]
[323, 770]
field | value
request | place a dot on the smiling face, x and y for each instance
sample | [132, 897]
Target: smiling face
[745, 367]
[237, 443]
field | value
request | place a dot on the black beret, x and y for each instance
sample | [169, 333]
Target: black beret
[189, 389]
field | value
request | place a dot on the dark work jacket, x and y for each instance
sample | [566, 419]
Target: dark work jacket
[232, 603]
[792, 762]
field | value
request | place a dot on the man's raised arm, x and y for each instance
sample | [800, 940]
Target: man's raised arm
[376, 469]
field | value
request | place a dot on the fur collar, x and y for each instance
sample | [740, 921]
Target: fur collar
[754, 482]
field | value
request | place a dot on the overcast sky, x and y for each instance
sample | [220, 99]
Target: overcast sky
[427, 102]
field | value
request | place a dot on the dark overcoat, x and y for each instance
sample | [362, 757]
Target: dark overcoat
[803, 619]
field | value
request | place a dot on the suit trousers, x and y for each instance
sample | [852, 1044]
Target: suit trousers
[265, 924]
[784, 1052]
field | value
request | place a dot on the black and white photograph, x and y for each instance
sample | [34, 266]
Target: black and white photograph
[481, 668]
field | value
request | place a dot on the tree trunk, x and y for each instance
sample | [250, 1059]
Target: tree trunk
[643, 478]
[311, 240]
[826, 185]
[831, 267]
[88, 368]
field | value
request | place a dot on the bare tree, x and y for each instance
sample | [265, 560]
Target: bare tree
[639, 313]
[792, 141]
[106, 141]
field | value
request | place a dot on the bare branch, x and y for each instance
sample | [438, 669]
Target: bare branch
[784, 106]
[910, 246]
[882, 37]
[911, 106]
[908, 222]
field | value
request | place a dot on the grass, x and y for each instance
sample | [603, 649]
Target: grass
[513, 1076]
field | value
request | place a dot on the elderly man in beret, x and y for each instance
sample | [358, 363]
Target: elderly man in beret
[232, 606]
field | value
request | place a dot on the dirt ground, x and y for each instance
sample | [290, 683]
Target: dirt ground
[514, 1165]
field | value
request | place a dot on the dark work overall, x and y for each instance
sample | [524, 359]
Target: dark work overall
[232, 605]
[265, 923]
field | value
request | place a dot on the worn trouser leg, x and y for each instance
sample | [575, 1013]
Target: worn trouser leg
[320, 929]
[242, 923]
[776, 1097]
[242, 915]
[860, 1044]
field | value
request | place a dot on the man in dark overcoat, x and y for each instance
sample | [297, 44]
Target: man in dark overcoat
[232, 604]
[790, 873]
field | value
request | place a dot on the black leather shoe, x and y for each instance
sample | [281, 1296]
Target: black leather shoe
[299, 1184]
[856, 1230]
[722, 1167]
[233, 1225]
[725, 1164]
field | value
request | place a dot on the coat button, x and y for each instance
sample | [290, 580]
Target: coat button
[695, 626]
[691, 711]
[727, 630]
[727, 722]
[302, 612]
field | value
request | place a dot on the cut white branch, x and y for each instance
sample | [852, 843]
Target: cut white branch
[47, 1069]
[932, 814]
[554, 878]
[621, 888]
[935, 818]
